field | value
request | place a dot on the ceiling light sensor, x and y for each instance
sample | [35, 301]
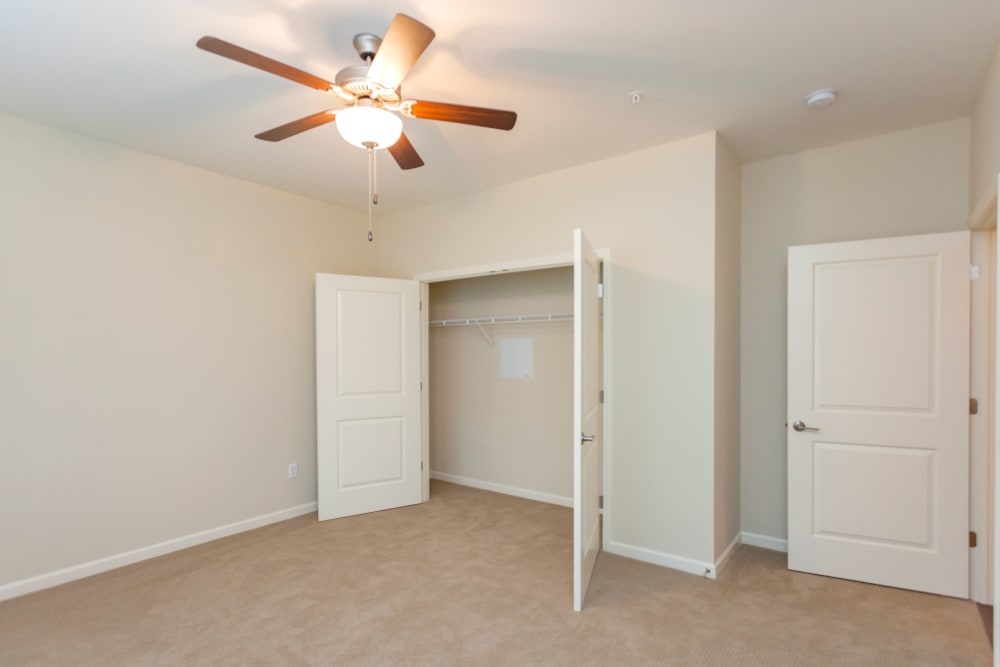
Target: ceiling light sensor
[821, 98]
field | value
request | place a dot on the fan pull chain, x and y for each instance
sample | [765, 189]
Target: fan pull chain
[372, 195]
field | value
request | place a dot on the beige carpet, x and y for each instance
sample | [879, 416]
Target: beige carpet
[471, 578]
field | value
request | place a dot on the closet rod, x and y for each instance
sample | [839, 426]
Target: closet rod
[504, 319]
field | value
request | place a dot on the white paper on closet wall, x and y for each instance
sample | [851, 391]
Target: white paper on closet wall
[517, 358]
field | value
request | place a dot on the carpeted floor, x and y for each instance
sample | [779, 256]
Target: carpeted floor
[470, 578]
[986, 614]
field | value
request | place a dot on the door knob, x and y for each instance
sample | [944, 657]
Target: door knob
[801, 426]
[586, 438]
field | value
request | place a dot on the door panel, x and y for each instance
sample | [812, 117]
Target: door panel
[368, 394]
[370, 451]
[586, 414]
[878, 365]
[864, 470]
[369, 329]
[863, 359]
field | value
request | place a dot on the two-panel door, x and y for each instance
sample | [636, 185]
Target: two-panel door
[878, 411]
[586, 415]
[367, 394]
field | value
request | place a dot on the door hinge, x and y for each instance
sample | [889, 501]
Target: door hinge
[421, 305]
[973, 406]
[600, 290]
[600, 396]
[600, 502]
[972, 538]
[421, 465]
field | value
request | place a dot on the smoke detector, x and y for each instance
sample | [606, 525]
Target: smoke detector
[821, 98]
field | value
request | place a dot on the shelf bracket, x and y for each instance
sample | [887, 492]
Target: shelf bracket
[486, 335]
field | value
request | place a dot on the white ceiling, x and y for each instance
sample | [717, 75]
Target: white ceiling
[127, 71]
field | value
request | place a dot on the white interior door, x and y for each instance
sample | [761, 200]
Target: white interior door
[367, 394]
[586, 411]
[878, 383]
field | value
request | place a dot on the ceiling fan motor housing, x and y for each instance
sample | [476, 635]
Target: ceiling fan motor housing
[354, 82]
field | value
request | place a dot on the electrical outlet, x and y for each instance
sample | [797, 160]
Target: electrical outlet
[293, 470]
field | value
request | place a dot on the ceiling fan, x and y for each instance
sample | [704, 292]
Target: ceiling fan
[370, 92]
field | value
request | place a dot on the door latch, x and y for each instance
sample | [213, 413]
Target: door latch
[801, 426]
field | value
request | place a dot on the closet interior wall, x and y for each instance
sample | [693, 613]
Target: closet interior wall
[512, 435]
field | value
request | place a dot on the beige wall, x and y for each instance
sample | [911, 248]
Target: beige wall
[152, 320]
[508, 434]
[985, 147]
[655, 210]
[910, 182]
[156, 347]
[727, 349]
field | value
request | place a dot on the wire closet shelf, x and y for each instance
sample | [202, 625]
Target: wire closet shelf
[504, 319]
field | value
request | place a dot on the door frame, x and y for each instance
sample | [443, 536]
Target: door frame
[982, 426]
[984, 584]
[513, 266]
[986, 216]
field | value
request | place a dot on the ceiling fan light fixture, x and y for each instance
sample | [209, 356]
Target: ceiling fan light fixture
[363, 125]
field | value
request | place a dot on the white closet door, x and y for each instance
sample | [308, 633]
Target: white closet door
[368, 394]
[586, 412]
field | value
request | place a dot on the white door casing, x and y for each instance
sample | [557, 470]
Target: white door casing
[367, 394]
[878, 361]
[981, 425]
[586, 411]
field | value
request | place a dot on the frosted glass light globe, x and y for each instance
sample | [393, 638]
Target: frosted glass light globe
[359, 125]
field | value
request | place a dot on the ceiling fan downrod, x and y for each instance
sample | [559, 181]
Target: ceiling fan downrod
[366, 44]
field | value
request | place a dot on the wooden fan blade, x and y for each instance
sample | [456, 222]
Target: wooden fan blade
[297, 126]
[405, 40]
[405, 155]
[457, 113]
[241, 55]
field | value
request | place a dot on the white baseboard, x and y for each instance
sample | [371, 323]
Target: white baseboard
[74, 572]
[702, 568]
[764, 542]
[503, 488]
[721, 561]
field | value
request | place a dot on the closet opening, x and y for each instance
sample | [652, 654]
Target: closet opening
[500, 383]
[512, 396]
[498, 401]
